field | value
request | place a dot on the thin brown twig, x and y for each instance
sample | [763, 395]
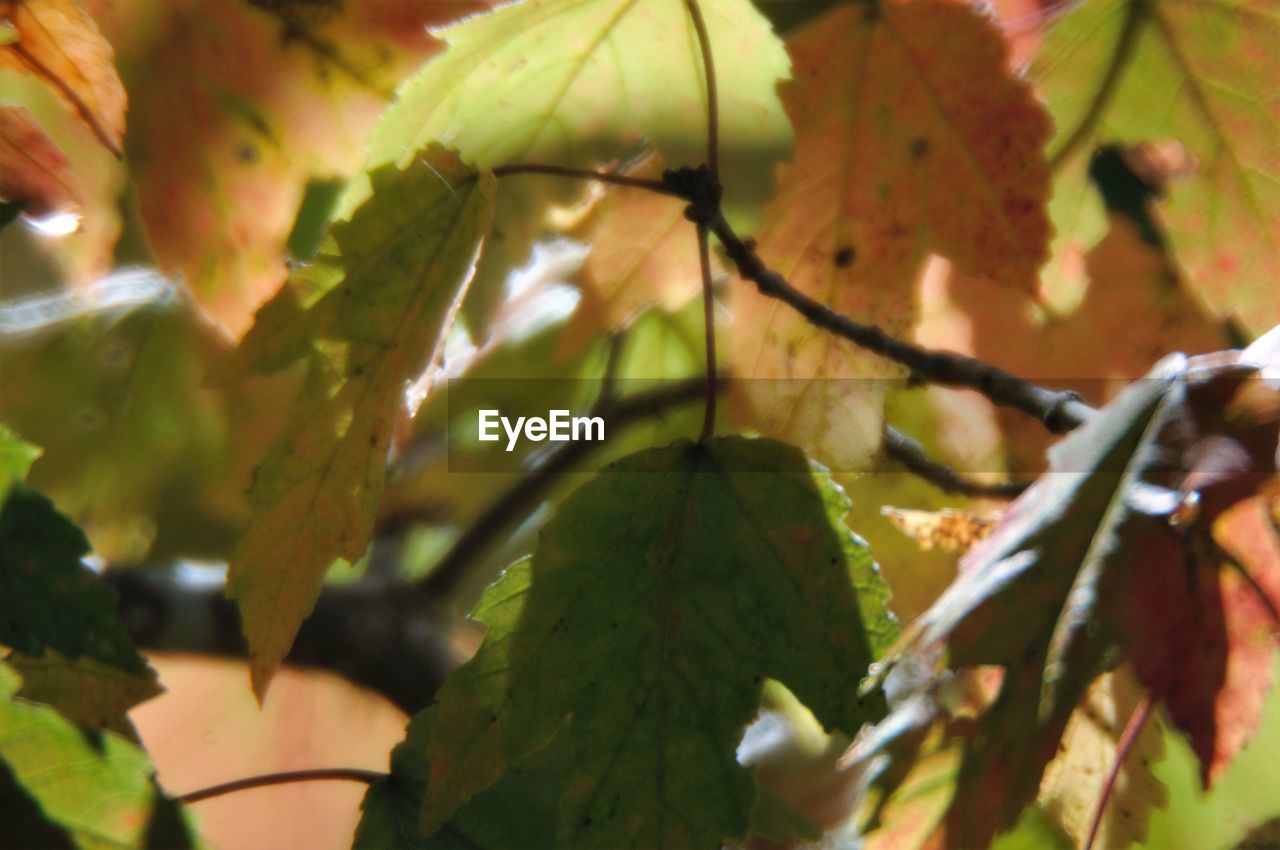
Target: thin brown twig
[1128, 738]
[713, 100]
[912, 455]
[349, 774]
[709, 323]
[1059, 411]
[584, 174]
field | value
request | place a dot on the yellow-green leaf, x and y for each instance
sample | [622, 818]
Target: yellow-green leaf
[367, 315]
[1202, 72]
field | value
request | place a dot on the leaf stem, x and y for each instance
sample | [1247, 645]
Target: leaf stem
[709, 324]
[912, 455]
[1059, 411]
[584, 174]
[1128, 738]
[349, 774]
[713, 101]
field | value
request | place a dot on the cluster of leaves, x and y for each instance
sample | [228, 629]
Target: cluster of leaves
[625, 655]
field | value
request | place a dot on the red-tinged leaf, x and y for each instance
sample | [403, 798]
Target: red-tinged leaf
[58, 42]
[33, 171]
[235, 105]
[643, 252]
[1117, 552]
[1202, 73]
[904, 113]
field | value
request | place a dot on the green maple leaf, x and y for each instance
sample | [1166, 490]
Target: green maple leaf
[655, 604]
[367, 316]
[73, 790]
[574, 82]
[1201, 72]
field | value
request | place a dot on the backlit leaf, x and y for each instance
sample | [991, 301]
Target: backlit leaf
[1201, 72]
[722, 565]
[904, 115]
[573, 82]
[1074, 781]
[58, 42]
[235, 105]
[643, 252]
[98, 791]
[367, 316]
[16, 457]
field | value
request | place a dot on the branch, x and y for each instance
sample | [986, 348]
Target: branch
[911, 454]
[349, 774]
[374, 633]
[1059, 411]
[584, 174]
[515, 504]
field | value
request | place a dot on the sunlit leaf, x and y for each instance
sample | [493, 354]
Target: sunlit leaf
[911, 137]
[367, 316]
[948, 529]
[235, 105]
[1201, 72]
[721, 564]
[58, 42]
[503, 92]
[16, 457]
[98, 790]
[643, 252]
[1074, 782]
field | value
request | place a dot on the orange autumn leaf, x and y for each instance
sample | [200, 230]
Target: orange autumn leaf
[949, 529]
[643, 252]
[57, 41]
[904, 114]
[33, 170]
[268, 96]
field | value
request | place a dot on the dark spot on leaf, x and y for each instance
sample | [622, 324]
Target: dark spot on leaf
[845, 257]
[247, 153]
[919, 148]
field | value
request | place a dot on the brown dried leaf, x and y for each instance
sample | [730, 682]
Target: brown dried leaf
[58, 42]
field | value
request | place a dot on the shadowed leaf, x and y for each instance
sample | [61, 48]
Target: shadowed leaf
[722, 565]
